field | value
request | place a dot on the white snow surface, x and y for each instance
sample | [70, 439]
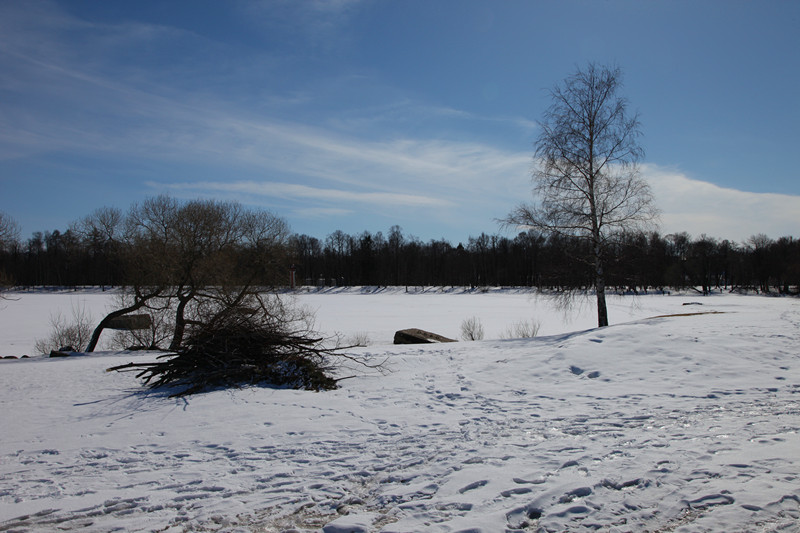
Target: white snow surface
[674, 423]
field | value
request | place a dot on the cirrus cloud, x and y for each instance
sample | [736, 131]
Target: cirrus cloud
[293, 191]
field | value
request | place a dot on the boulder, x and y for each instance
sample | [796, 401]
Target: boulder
[130, 322]
[418, 336]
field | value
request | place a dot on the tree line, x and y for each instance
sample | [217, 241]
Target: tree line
[634, 262]
[93, 251]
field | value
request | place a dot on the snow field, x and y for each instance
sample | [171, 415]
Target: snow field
[658, 424]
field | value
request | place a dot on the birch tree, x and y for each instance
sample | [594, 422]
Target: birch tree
[586, 180]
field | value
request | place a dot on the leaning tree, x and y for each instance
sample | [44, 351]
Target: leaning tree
[207, 270]
[189, 260]
[586, 179]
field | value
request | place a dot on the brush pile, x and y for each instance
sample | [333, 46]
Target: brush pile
[237, 348]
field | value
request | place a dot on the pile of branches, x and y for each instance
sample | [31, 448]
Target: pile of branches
[240, 347]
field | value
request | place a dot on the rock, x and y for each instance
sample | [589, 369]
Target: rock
[418, 336]
[64, 351]
[130, 322]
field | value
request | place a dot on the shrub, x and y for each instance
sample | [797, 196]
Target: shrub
[521, 330]
[360, 339]
[74, 334]
[472, 329]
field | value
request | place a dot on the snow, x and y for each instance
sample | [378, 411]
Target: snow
[687, 422]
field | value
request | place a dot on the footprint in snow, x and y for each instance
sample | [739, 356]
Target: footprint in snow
[473, 486]
[578, 371]
[710, 501]
[522, 517]
[572, 495]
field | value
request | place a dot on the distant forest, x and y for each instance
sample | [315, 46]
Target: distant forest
[638, 262]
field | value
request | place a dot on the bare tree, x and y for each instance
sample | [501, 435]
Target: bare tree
[586, 180]
[103, 225]
[194, 259]
[759, 246]
[9, 231]
[100, 234]
[9, 239]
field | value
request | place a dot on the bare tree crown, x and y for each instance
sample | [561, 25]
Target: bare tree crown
[586, 178]
[9, 231]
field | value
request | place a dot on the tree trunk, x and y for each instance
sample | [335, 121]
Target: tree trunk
[139, 302]
[602, 310]
[600, 287]
[180, 321]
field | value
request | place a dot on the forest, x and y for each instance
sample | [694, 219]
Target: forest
[636, 263]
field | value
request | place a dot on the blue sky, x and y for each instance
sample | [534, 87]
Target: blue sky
[359, 115]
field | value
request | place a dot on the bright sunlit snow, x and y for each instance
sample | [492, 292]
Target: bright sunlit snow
[686, 422]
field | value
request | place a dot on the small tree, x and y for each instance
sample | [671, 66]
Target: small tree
[587, 181]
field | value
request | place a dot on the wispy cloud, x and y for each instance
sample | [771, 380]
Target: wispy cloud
[321, 212]
[291, 191]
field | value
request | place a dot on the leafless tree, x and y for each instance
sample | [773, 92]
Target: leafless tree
[101, 235]
[586, 178]
[196, 258]
[759, 246]
[9, 238]
[9, 231]
[103, 225]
